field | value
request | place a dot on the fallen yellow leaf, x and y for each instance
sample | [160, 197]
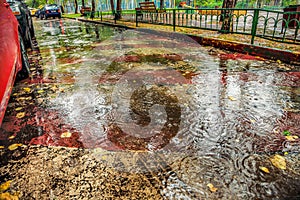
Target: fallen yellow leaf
[66, 134]
[14, 146]
[291, 137]
[1, 147]
[40, 91]
[7, 196]
[27, 89]
[11, 137]
[5, 186]
[278, 161]
[54, 88]
[231, 98]
[211, 187]
[18, 109]
[264, 169]
[20, 115]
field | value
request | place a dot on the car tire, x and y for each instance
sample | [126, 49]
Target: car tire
[28, 42]
[25, 71]
[32, 29]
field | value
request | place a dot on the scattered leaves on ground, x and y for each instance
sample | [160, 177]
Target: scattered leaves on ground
[20, 115]
[264, 169]
[211, 187]
[14, 146]
[66, 134]
[278, 161]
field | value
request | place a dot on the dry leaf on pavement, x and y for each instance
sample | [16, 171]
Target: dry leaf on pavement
[278, 161]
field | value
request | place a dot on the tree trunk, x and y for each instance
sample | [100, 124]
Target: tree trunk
[82, 3]
[112, 5]
[226, 14]
[76, 6]
[161, 6]
[259, 3]
[93, 9]
[119, 9]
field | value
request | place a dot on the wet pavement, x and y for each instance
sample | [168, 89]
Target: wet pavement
[138, 114]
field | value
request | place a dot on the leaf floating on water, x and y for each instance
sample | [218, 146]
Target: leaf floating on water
[211, 187]
[231, 98]
[278, 161]
[4, 186]
[20, 115]
[66, 134]
[27, 90]
[291, 137]
[14, 146]
[264, 169]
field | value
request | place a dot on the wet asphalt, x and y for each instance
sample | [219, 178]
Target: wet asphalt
[110, 113]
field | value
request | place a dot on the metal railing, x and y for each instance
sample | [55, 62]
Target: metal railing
[268, 24]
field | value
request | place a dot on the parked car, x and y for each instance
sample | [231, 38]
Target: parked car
[37, 13]
[23, 16]
[13, 57]
[51, 10]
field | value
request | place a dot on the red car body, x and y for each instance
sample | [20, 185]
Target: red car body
[10, 56]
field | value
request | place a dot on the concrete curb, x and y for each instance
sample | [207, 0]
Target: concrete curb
[264, 52]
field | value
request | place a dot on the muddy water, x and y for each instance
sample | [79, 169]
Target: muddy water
[143, 114]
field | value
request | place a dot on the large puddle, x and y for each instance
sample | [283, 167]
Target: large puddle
[195, 122]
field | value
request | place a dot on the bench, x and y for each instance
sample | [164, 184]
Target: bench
[236, 13]
[85, 11]
[147, 7]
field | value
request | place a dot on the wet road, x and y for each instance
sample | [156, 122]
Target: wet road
[125, 114]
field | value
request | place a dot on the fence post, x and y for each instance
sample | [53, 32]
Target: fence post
[136, 18]
[254, 25]
[174, 19]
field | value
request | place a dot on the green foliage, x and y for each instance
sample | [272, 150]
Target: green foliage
[286, 133]
[209, 3]
[37, 3]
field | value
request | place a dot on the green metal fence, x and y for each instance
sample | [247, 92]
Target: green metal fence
[268, 24]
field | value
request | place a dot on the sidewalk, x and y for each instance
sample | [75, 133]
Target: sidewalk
[288, 53]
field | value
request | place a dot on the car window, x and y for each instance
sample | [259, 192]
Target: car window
[52, 6]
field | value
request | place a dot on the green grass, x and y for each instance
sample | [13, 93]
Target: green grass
[72, 15]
